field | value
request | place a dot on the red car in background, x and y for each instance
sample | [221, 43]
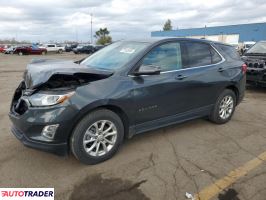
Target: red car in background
[2, 48]
[27, 50]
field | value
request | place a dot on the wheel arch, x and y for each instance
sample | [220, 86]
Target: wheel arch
[235, 90]
[116, 109]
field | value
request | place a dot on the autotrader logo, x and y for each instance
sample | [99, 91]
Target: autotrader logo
[27, 193]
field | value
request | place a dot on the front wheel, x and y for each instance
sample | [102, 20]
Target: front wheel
[20, 53]
[97, 137]
[44, 53]
[224, 107]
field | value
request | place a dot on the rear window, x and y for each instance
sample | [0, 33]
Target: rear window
[229, 51]
[215, 56]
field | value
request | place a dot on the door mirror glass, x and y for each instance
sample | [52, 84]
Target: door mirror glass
[148, 70]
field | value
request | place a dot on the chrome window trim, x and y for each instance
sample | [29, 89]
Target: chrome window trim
[196, 67]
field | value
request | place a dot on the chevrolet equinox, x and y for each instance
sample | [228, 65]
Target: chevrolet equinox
[90, 106]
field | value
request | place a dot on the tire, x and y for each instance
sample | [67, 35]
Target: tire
[60, 51]
[81, 135]
[20, 53]
[44, 53]
[217, 115]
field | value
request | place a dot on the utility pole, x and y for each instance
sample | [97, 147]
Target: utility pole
[91, 28]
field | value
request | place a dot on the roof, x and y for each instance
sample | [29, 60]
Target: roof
[165, 39]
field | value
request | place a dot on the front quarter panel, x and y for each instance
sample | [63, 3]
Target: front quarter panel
[114, 91]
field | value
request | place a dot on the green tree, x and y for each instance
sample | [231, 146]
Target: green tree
[167, 25]
[103, 36]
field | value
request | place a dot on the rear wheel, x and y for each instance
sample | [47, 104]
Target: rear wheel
[60, 51]
[224, 107]
[44, 52]
[20, 53]
[97, 137]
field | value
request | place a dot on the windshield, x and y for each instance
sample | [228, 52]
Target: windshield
[259, 47]
[115, 55]
[248, 45]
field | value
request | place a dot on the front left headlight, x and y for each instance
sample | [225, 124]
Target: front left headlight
[41, 99]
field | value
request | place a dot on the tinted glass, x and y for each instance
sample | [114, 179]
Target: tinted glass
[259, 47]
[166, 56]
[215, 56]
[197, 54]
[229, 51]
[115, 55]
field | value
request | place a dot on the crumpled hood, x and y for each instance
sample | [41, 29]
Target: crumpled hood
[40, 71]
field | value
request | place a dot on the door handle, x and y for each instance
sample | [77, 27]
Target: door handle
[221, 69]
[180, 77]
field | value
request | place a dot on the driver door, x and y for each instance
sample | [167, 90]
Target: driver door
[155, 95]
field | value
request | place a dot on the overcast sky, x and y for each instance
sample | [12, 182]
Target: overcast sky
[60, 20]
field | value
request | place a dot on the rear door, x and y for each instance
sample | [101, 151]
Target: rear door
[197, 81]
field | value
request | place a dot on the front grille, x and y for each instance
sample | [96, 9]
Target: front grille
[256, 65]
[21, 106]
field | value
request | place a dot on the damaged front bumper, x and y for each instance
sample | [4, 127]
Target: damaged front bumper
[28, 125]
[59, 149]
[256, 76]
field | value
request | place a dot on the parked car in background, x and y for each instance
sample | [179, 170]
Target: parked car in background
[2, 48]
[98, 47]
[56, 48]
[127, 88]
[27, 50]
[243, 47]
[9, 50]
[255, 59]
[88, 49]
[70, 47]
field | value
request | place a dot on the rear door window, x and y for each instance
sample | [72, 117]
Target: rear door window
[197, 54]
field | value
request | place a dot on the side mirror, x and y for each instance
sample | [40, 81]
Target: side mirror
[147, 70]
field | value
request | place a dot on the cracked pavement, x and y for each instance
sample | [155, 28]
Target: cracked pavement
[161, 164]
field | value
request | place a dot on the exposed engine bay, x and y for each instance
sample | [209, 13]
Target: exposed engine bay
[54, 77]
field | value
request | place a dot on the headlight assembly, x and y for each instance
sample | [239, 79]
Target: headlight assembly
[41, 99]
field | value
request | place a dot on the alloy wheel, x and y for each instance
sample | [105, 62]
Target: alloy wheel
[100, 138]
[226, 107]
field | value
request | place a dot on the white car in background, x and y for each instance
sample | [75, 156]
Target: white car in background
[57, 48]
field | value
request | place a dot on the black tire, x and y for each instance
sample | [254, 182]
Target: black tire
[76, 140]
[214, 115]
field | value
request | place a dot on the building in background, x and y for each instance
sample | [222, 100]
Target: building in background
[232, 34]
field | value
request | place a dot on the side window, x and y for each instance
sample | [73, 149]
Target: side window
[230, 51]
[166, 56]
[215, 56]
[197, 54]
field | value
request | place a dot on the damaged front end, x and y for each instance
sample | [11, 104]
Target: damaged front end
[43, 106]
[256, 69]
[50, 82]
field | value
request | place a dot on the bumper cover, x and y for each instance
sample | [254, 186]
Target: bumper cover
[58, 149]
[256, 75]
